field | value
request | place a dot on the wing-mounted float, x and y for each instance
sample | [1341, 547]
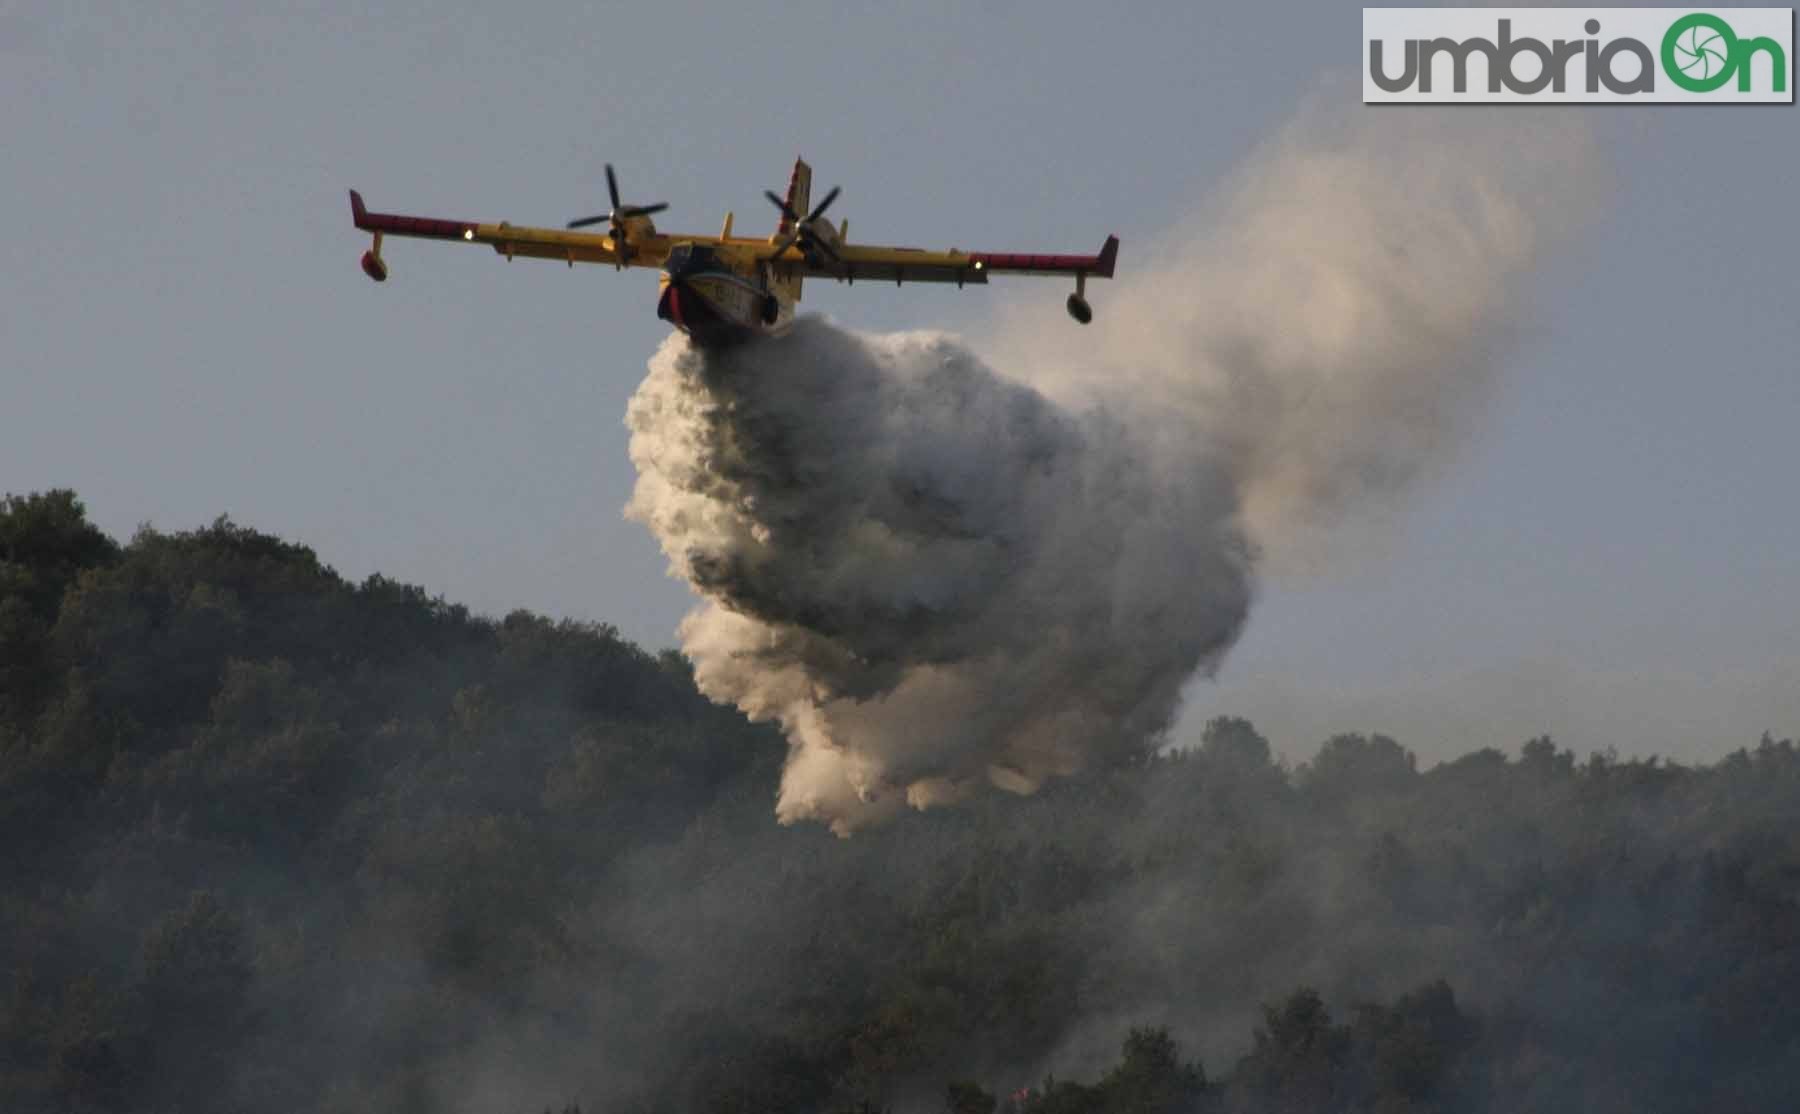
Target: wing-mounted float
[724, 288]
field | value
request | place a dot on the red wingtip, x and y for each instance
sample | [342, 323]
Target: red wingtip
[1109, 255]
[358, 212]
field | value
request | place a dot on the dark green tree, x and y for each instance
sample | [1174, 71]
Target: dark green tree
[195, 989]
[963, 1097]
[46, 542]
[1150, 1077]
[1356, 765]
[1234, 744]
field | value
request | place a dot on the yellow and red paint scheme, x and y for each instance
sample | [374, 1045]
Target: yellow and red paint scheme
[722, 289]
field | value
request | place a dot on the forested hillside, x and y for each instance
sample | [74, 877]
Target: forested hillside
[279, 842]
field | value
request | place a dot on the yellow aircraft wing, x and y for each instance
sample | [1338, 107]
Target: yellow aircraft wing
[853, 262]
[507, 239]
[833, 259]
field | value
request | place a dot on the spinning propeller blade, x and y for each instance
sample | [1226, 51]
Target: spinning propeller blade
[619, 215]
[810, 241]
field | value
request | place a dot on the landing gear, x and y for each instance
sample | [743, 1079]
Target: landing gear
[771, 309]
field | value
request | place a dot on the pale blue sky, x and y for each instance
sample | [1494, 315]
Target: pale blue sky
[1614, 558]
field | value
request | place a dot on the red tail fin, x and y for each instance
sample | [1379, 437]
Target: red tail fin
[799, 195]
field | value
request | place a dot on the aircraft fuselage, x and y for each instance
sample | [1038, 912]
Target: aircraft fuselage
[716, 299]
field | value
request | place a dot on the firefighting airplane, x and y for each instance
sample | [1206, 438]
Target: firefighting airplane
[722, 289]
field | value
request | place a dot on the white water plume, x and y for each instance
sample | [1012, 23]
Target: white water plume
[937, 577]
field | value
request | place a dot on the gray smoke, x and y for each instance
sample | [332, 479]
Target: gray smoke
[936, 577]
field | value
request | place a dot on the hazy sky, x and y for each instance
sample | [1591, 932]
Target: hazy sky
[1613, 558]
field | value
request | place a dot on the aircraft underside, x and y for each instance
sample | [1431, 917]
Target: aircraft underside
[718, 308]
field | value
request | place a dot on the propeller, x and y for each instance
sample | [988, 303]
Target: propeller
[802, 226]
[619, 215]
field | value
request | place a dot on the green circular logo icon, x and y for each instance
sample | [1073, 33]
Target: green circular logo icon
[1699, 52]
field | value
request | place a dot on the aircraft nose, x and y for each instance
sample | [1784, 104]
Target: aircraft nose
[669, 307]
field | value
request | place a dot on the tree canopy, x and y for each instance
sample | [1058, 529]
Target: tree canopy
[278, 841]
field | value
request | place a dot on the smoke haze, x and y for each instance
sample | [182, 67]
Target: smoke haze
[939, 574]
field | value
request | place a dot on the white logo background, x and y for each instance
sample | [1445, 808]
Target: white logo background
[1699, 52]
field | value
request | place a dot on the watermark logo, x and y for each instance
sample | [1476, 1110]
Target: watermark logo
[1537, 55]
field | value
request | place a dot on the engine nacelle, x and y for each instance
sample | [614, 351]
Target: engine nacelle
[1079, 309]
[374, 266]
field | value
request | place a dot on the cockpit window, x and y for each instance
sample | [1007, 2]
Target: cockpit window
[690, 257]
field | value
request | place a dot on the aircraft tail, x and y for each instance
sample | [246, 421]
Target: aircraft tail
[799, 195]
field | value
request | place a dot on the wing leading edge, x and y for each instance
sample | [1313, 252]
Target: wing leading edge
[509, 240]
[900, 265]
